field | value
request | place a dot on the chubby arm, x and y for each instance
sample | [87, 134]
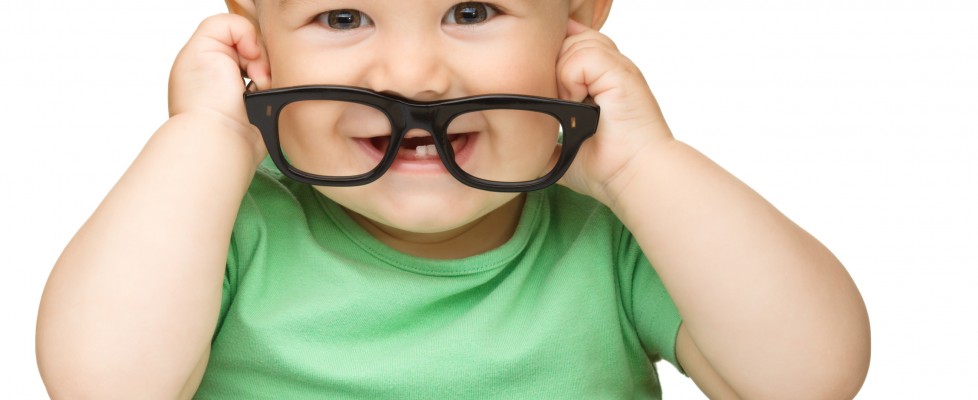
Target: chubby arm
[768, 311]
[131, 305]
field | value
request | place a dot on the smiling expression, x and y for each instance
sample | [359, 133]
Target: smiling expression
[423, 51]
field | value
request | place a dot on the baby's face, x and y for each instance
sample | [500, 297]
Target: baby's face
[421, 50]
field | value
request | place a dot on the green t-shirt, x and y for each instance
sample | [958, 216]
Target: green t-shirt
[314, 307]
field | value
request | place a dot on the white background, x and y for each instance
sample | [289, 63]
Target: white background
[857, 118]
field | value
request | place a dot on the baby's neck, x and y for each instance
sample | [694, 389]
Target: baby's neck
[477, 237]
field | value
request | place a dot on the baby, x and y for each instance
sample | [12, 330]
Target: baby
[392, 236]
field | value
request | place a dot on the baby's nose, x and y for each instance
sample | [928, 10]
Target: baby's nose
[411, 66]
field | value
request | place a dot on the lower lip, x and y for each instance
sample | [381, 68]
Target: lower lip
[431, 165]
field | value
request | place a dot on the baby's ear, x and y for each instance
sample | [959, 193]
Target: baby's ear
[244, 8]
[591, 13]
[259, 71]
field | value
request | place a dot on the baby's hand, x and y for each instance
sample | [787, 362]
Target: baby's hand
[630, 124]
[207, 74]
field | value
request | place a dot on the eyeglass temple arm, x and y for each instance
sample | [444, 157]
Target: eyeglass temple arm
[251, 87]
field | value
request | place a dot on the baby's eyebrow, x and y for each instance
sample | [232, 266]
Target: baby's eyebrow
[283, 4]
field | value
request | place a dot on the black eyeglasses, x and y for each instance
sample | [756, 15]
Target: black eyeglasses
[347, 136]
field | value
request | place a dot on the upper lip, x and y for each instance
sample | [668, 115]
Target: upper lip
[414, 133]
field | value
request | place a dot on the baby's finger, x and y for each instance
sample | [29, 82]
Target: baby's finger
[580, 68]
[258, 72]
[236, 37]
[230, 34]
[577, 32]
[207, 73]
[580, 38]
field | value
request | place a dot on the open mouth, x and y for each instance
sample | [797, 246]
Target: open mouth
[421, 148]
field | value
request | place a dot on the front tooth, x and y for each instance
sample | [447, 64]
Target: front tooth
[420, 151]
[431, 150]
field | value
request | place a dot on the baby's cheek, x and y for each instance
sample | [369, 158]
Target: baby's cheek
[298, 63]
[537, 73]
[517, 66]
[537, 78]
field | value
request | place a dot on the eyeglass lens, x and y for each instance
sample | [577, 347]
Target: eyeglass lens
[340, 139]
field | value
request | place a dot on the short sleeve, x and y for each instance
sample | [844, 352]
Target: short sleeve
[245, 237]
[226, 288]
[654, 315]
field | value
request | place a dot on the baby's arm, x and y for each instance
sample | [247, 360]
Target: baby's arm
[769, 313]
[131, 305]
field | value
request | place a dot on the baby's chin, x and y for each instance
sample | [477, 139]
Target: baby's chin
[420, 212]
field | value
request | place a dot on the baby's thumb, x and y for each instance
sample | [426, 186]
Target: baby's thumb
[258, 72]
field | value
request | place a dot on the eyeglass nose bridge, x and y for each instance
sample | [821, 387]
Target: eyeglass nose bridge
[424, 117]
[419, 117]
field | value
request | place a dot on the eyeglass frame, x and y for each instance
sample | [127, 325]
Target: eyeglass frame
[579, 122]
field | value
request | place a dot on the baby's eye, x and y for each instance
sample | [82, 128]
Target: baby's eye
[344, 19]
[470, 13]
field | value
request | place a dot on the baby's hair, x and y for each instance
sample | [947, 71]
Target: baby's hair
[234, 7]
